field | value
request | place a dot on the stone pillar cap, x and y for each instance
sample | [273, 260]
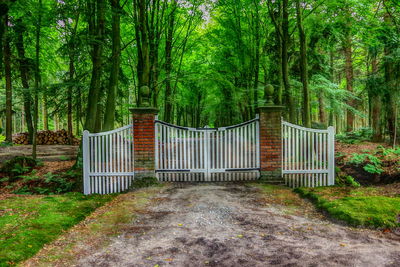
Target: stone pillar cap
[267, 108]
[144, 110]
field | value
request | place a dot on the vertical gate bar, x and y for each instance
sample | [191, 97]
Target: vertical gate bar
[185, 166]
[197, 150]
[201, 146]
[257, 133]
[324, 146]
[331, 156]
[230, 152]
[225, 162]
[217, 150]
[245, 148]
[182, 151]
[178, 148]
[174, 151]
[319, 159]
[156, 140]
[190, 149]
[169, 164]
[309, 155]
[236, 143]
[251, 145]
[164, 147]
[86, 162]
[312, 158]
[212, 149]
[241, 146]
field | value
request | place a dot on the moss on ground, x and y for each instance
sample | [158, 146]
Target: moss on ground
[27, 223]
[356, 206]
[97, 229]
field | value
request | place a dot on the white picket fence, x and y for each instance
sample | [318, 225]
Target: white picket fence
[308, 157]
[207, 154]
[108, 165]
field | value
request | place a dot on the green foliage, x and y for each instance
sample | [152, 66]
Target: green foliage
[361, 135]
[358, 210]
[372, 164]
[2, 138]
[346, 180]
[374, 169]
[17, 166]
[59, 183]
[27, 224]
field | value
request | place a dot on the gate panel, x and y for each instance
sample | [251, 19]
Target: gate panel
[308, 156]
[108, 161]
[207, 154]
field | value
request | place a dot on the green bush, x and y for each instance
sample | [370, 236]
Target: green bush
[370, 163]
[361, 135]
[17, 166]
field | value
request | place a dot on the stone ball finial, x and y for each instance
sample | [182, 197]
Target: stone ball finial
[145, 95]
[268, 94]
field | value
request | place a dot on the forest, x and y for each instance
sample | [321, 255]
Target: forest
[71, 195]
[75, 65]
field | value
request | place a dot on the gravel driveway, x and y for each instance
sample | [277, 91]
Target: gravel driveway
[228, 225]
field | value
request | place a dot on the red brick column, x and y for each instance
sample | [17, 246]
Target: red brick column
[144, 141]
[271, 142]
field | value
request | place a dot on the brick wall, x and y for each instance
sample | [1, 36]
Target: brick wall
[270, 141]
[144, 141]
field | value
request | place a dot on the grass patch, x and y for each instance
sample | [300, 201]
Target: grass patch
[356, 206]
[280, 195]
[97, 229]
[27, 223]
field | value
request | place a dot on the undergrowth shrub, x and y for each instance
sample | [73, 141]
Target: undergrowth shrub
[342, 179]
[361, 135]
[17, 166]
[371, 164]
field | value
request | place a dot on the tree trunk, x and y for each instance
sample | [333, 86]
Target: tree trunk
[24, 70]
[285, 61]
[144, 71]
[69, 98]
[45, 112]
[78, 115]
[97, 31]
[168, 67]
[257, 58]
[376, 104]
[109, 115]
[37, 81]
[349, 78]
[7, 72]
[303, 68]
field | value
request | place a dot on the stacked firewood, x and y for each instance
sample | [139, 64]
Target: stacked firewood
[46, 138]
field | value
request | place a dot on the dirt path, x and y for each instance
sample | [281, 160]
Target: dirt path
[44, 152]
[225, 225]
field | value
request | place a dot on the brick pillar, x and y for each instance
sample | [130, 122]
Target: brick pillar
[144, 141]
[271, 142]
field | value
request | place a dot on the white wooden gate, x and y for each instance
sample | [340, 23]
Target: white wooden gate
[308, 157]
[108, 161]
[207, 154]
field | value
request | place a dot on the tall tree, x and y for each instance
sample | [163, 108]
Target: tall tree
[37, 80]
[303, 67]
[24, 67]
[285, 61]
[109, 116]
[96, 23]
[7, 74]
